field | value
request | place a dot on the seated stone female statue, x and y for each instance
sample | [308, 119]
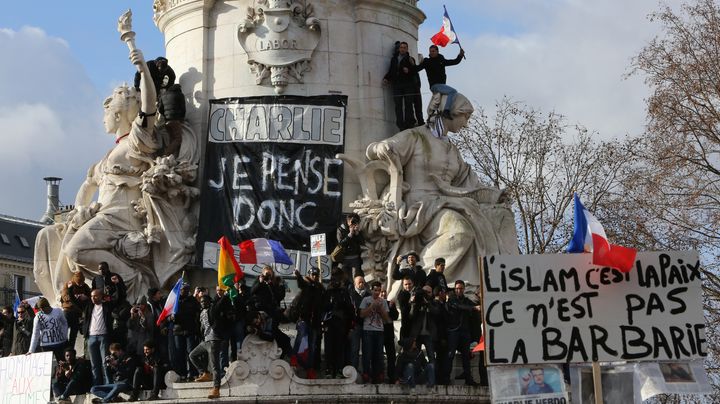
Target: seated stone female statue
[445, 210]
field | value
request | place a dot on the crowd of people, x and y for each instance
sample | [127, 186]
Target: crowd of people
[127, 350]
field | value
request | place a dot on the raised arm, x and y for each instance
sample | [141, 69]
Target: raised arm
[148, 96]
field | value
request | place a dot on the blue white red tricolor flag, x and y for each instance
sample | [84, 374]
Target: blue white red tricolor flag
[589, 236]
[171, 304]
[263, 251]
[447, 32]
[16, 303]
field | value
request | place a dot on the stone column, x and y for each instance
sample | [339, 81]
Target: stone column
[351, 58]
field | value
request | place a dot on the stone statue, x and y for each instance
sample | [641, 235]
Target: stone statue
[141, 223]
[434, 203]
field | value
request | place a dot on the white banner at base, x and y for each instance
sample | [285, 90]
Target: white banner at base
[25, 379]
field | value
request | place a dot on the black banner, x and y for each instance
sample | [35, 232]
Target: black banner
[271, 171]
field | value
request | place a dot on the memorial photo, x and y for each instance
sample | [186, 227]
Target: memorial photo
[677, 372]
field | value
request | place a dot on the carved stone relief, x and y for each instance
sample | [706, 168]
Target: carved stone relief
[279, 37]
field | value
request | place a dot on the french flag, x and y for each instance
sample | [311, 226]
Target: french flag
[263, 251]
[171, 304]
[447, 32]
[589, 236]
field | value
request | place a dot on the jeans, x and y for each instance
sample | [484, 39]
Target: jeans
[108, 392]
[237, 338]
[446, 90]
[459, 340]
[151, 381]
[410, 372]
[404, 113]
[354, 353]
[98, 348]
[372, 352]
[426, 340]
[184, 344]
[65, 390]
[206, 357]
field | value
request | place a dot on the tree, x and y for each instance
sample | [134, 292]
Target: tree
[528, 154]
[678, 186]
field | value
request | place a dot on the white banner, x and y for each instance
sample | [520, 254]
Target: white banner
[560, 308]
[318, 246]
[25, 379]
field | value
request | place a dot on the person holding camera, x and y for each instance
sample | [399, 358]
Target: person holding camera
[415, 271]
[351, 240]
[121, 367]
[267, 294]
[140, 326]
[72, 377]
[421, 325]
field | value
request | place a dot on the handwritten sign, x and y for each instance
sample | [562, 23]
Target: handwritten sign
[318, 246]
[25, 379]
[561, 308]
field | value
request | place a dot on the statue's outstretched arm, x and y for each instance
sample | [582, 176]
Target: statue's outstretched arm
[148, 96]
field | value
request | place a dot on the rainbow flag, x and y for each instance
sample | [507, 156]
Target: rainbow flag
[228, 269]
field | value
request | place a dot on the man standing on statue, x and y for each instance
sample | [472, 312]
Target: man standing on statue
[402, 77]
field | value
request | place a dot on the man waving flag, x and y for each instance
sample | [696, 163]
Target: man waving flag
[589, 236]
[171, 304]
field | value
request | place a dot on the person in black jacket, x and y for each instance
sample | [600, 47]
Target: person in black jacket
[149, 374]
[239, 303]
[435, 65]
[338, 314]
[389, 338]
[402, 77]
[163, 76]
[121, 366]
[185, 332]
[266, 295]
[440, 342]
[351, 239]
[403, 303]
[358, 291]
[309, 305]
[96, 329]
[460, 309]
[416, 272]
[22, 330]
[7, 321]
[436, 277]
[72, 377]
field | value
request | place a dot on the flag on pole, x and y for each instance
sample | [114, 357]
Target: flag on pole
[589, 236]
[171, 304]
[447, 33]
[480, 345]
[229, 270]
[32, 302]
[262, 250]
[16, 303]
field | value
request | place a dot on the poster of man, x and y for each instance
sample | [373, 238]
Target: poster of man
[677, 372]
[540, 380]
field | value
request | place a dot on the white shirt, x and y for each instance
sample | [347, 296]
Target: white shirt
[97, 323]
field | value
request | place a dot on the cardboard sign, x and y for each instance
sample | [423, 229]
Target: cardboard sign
[25, 379]
[561, 308]
[318, 247]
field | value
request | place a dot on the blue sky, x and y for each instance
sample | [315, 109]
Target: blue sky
[60, 59]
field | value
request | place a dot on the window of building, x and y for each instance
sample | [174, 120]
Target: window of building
[5, 238]
[23, 241]
[19, 282]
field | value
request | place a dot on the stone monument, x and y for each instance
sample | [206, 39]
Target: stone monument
[434, 203]
[142, 223]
